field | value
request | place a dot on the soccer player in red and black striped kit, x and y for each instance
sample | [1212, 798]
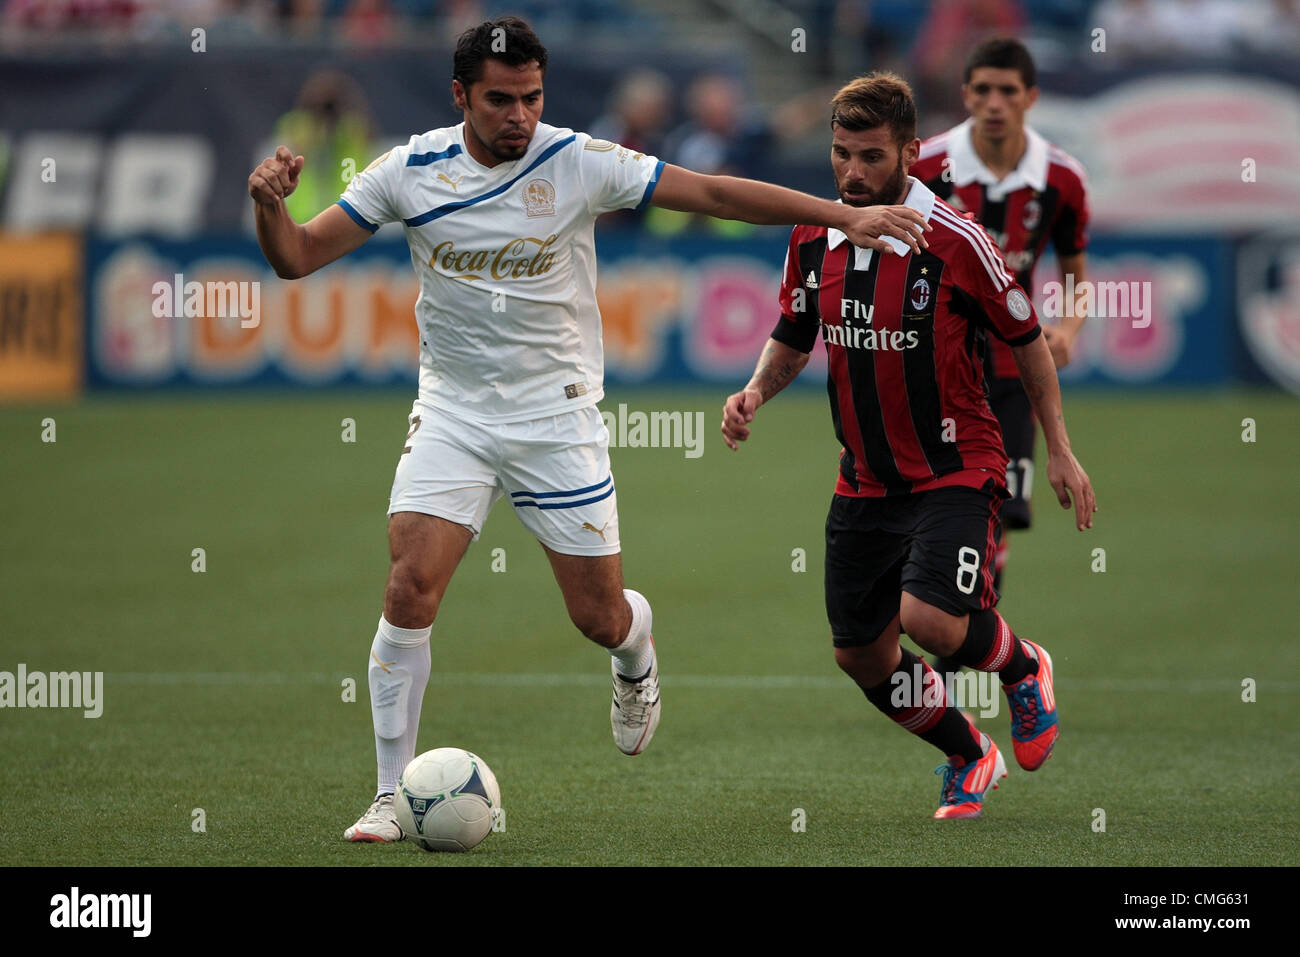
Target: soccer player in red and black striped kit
[1026, 192]
[911, 534]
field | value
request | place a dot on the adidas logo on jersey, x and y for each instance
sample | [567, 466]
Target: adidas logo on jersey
[811, 281]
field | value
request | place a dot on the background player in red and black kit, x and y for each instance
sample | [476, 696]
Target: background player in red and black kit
[1026, 193]
[910, 535]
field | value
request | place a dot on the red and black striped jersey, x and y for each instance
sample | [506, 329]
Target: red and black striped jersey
[1043, 199]
[904, 335]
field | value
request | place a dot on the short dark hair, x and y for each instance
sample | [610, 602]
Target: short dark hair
[515, 45]
[876, 99]
[1003, 53]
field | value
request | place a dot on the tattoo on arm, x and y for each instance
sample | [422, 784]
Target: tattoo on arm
[772, 374]
[1034, 386]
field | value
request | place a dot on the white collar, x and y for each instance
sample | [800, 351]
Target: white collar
[920, 197]
[968, 168]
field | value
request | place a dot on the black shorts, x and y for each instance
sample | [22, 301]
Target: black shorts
[1009, 403]
[937, 545]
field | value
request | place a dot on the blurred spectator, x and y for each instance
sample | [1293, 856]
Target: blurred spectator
[131, 20]
[1129, 25]
[719, 136]
[872, 35]
[368, 22]
[1275, 28]
[724, 135]
[1171, 28]
[948, 34]
[364, 23]
[304, 18]
[637, 113]
[458, 16]
[84, 15]
[330, 126]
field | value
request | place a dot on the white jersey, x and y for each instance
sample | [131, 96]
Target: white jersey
[506, 258]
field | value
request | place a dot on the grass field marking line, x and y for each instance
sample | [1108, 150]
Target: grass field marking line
[744, 682]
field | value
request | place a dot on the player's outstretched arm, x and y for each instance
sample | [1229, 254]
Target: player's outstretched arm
[729, 197]
[294, 250]
[777, 367]
[1066, 475]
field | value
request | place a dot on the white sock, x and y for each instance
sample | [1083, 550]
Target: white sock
[399, 672]
[636, 653]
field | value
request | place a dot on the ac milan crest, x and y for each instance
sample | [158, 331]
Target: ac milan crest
[1033, 214]
[920, 294]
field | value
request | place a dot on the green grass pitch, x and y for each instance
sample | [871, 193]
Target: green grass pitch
[224, 689]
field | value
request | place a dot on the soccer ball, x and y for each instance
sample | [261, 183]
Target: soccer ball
[445, 800]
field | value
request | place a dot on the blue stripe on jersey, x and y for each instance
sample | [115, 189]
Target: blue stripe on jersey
[576, 491]
[424, 159]
[650, 186]
[447, 208]
[357, 217]
[586, 501]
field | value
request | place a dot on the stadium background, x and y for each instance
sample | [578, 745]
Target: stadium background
[127, 132]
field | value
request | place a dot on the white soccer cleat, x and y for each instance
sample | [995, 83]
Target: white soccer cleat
[634, 714]
[378, 825]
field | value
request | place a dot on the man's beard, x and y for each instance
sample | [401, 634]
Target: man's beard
[495, 147]
[888, 195]
[510, 152]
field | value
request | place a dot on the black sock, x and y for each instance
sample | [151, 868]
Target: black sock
[945, 666]
[933, 719]
[990, 645]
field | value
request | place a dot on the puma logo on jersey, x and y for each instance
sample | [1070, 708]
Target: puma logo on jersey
[599, 531]
[811, 281]
[453, 183]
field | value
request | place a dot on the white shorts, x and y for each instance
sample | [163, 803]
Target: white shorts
[555, 471]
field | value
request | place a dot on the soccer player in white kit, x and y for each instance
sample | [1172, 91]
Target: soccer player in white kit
[499, 212]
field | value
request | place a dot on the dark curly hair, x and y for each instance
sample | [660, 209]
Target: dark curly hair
[508, 39]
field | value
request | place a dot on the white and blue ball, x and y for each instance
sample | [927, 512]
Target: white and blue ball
[445, 800]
